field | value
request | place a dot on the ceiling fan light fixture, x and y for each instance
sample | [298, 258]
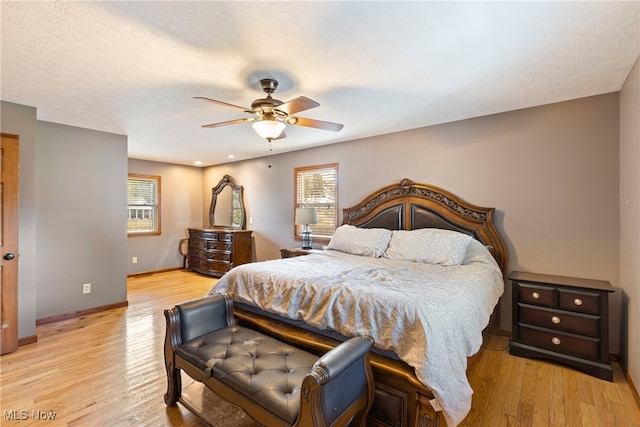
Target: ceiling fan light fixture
[268, 129]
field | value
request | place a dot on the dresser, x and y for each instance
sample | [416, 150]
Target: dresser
[564, 319]
[217, 250]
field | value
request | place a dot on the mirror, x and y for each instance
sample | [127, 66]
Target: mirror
[227, 205]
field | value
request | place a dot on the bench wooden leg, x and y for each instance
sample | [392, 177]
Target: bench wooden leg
[174, 379]
[174, 385]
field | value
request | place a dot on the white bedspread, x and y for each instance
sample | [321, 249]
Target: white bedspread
[431, 316]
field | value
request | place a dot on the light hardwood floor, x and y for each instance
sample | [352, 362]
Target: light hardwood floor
[107, 369]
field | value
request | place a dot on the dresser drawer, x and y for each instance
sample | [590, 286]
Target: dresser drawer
[537, 295]
[197, 263]
[582, 302]
[221, 237]
[220, 266]
[560, 321]
[212, 245]
[584, 347]
[209, 265]
[218, 256]
[208, 244]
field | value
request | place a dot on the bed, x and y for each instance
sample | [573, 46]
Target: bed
[411, 264]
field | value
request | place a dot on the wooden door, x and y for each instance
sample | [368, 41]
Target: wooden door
[9, 156]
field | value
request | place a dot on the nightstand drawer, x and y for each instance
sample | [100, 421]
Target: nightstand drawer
[582, 324]
[583, 302]
[537, 295]
[572, 345]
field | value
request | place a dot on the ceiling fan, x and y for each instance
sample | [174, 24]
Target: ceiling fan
[269, 115]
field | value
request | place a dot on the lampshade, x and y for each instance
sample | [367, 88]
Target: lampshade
[268, 129]
[306, 216]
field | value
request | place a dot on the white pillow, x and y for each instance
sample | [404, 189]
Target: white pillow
[429, 245]
[370, 242]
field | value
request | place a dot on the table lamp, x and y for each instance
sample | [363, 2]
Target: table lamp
[304, 217]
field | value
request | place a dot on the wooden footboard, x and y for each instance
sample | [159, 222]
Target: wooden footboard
[400, 399]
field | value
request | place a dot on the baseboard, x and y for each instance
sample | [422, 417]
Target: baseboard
[147, 273]
[27, 340]
[65, 316]
[634, 390]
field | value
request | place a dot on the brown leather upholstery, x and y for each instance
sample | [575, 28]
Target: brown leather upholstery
[277, 384]
[260, 367]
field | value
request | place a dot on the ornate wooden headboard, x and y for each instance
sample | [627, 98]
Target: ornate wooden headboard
[410, 206]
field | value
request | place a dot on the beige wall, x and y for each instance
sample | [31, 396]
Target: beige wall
[630, 222]
[181, 198]
[81, 200]
[552, 173]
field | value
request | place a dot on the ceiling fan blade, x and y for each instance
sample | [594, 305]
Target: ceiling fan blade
[230, 122]
[312, 123]
[298, 104]
[225, 104]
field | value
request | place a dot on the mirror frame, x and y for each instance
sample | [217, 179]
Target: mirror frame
[225, 182]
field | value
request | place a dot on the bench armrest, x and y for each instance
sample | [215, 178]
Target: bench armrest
[195, 318]
[201, 316]
[339, 386]
[185, 322]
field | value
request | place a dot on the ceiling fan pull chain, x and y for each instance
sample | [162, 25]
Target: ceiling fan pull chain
[270, 150]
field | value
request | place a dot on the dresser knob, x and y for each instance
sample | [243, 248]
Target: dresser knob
[555, 319]
[577, 301]
[535, 295]
[555, 340]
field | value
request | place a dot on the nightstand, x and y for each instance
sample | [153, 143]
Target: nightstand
[293, 252]
[564, 319]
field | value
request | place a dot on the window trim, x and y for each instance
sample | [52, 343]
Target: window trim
[316, 238]
[158, 205]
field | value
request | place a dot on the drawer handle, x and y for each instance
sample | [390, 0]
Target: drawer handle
[555, 319]
[577, 301]
[555, 340]
[535, 295]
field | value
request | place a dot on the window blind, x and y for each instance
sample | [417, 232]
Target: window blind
[316, 188]
[143, 204]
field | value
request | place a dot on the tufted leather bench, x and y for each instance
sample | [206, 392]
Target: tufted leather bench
[275, 383]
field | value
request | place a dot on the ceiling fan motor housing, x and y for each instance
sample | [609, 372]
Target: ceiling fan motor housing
[269, 85]
[267, 104]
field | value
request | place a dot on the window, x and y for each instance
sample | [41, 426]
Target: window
[143, 205]
[317, 186]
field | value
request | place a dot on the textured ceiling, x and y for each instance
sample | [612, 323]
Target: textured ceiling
[133, 68]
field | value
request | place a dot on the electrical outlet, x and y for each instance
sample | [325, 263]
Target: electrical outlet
[86, 288]
[134, 260]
